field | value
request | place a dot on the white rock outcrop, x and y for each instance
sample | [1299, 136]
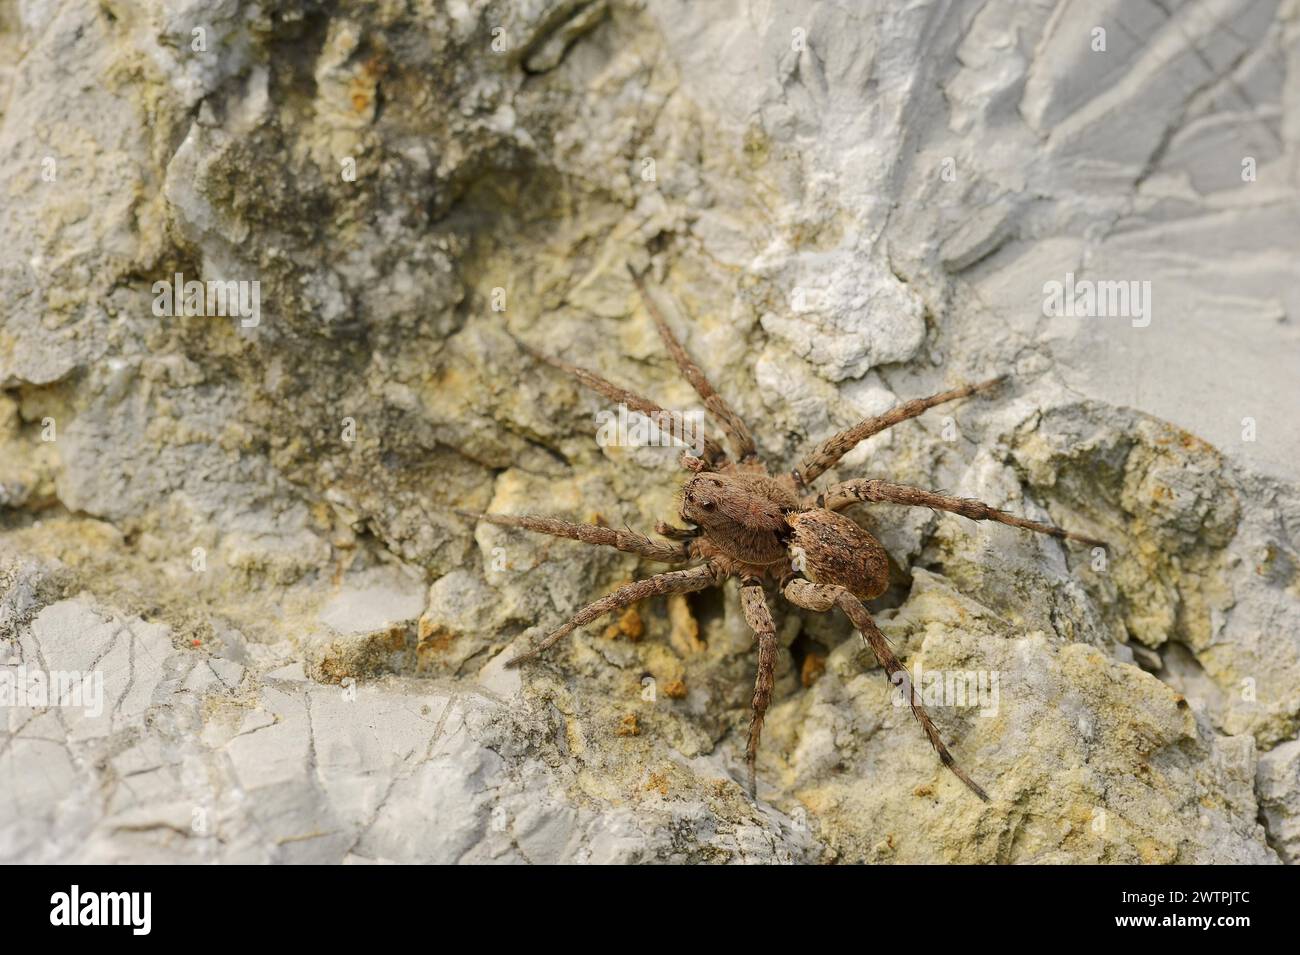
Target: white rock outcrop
[245, 525]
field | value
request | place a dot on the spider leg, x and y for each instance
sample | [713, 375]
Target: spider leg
[824, 456]
[664, 529]
[672, 582]
[871, 491]
[812, 596]
[710, 449]
[738, 435]
[759, 619]
[628, 541]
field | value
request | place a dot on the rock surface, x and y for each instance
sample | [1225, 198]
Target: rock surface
[243, 528]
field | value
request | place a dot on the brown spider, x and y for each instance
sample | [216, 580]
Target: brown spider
[761, 527]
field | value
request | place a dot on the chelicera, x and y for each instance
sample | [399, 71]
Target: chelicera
[769, 530]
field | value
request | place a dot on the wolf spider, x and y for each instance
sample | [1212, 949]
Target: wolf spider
[760, 527]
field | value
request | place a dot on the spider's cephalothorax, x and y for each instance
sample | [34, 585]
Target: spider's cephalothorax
[768, 529]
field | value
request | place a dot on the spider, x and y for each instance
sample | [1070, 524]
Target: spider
[765, 528]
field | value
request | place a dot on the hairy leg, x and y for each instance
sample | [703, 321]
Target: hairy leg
[872, 491]
[629, 542]
[824, 456]
[759, 619]
[803, 593]
[742, 442]
[673, 582]
[710, 449]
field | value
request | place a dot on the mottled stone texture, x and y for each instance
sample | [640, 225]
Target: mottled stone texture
[246, 527]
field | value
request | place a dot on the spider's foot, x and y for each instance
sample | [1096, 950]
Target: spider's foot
[524, 656]
[664, 529]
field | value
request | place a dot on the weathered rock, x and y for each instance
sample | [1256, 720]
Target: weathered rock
[1278, 784]
[246, 523]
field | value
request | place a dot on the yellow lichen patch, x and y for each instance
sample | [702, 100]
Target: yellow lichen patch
[629, 625]
[664, 665]
[358, 657]
[658, 782]
[684, 637]
[574, 738]
[628, 726]
[433, 641]
[758, 147]
[675, 689]
[1152, 852]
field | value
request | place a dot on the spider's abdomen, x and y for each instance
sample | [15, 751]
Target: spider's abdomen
[828, 548]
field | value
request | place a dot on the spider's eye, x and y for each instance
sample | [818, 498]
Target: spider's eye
[706, 505]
